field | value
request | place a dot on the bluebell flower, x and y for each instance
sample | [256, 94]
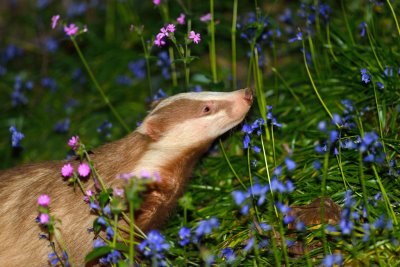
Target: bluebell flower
[278, 171]
[49, 83]
[317, 165]
[164, 62]
[249, 245]
[112, 258]
[94, 205]
[322, 126]
[138, 68]
[300, 226]
[290, 164]
[10, 52]
[98, 243]
[367, 232]
[16, 137]
[321, 149]
[102, 221]
[53, 259]
[248, 129]
[205, 227]
[124, 80]
[363, 28]
[265, 227]
[380, 85]
[333, 136]
[286, 17]
[364, 76]
[332, 259]
[228, 254]
[256, 149]
[184, 236]
[105, 128]
[62, 126]
[3, 70]
[239, 197]
[18, 98]
[336, 119]
[288, 219]
[77, 75]
[154, 247]
[159, 95]
[388, 71]
[282, 207]
[110, 232]
[51, 45]
[76, 9]
[298, 37]
[246, 141]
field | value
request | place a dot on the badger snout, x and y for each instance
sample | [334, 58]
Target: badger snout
[248, 95]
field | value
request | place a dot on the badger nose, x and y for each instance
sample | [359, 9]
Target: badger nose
[248, 95]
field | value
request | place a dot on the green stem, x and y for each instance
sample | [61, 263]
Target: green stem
[213, 59]
[96, 84]
[347, 24]
[371, 39]
[221, 145]
[131, 234]
[394, 16]
[312, 82]
[322, 202]
[173, 66]
[233, 37]
[147, 58]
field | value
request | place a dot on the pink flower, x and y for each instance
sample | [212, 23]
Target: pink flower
[83, 170]
[119, 192]
[206, 17]
[54, 21]
[181, 19]
[195, 37]
[159, 40]
[43, 200]
[156, 2]
[67, 170]
[44, 218]
[70, 30]
[89, 193]
[163, 32]
[170, 27]
[74, 142]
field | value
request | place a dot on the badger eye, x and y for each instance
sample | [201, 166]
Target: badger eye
[206, 109]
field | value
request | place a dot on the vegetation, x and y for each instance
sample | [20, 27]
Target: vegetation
[324, 124]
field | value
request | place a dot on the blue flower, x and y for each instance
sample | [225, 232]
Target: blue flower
[290, 164]
[49, 83]
[322, 126]
[16, 137]
[62, 126]
[105, 128]
[138, 68]
[298, 37]
[364, 76]
[363, 27]
[332, 259]
[164, 62]
[101, 221]
[110, 232]
[184, 236]
[124, 80]
[248, 129]
[239, 197]
[98, 243]
[249, 245]
[282, 207]
[246, 141]
[256, 149]
[300, 226]
[205, 227]
[380, 85]
[228, 254]
[154, 246]
[388, 71]
[317, 165]
[111, 258]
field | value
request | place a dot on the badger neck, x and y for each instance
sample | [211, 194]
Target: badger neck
[137, 152]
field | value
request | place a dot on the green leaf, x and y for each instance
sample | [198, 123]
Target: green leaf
[97, 252]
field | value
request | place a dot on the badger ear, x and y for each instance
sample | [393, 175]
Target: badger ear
[153, 129]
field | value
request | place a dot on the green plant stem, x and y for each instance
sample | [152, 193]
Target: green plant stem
[173, 66]
[394, 16]
[131, 234]
[221, 145]
[347, 23]
[322, 202]
[313, 84]
[213, 59]
[96, 84]
[371, 39]
[147, 58]
[233, 39]
[187, 56]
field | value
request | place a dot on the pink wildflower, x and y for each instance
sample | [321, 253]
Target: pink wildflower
[71, 30]
[83, 170]
[43, 200]
[163, 32]
[119, 192]
[89, 193]
[74, 142]
[44, 218]
[54, 21]
[159, 40]
[195, 37]
[156, 2]
[67, 170]
[181, 19]
[170, 27]
[206, 17]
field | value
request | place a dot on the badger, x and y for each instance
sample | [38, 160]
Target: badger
[170, 140]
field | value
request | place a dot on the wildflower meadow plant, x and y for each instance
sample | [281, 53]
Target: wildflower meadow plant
[327, 68]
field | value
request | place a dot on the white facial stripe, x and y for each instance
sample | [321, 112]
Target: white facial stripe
[203, 96]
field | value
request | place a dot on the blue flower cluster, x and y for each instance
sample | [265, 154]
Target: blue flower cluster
[57, 260]
[332, 260]
[17, 96]
[204, 227]
[153, 247]
[16, 137]
[62, 126]
[256, 127]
